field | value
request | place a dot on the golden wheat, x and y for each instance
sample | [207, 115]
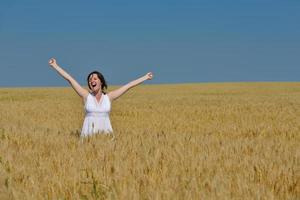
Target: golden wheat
[189, 141]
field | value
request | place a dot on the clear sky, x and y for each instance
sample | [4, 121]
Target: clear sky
[179, 41]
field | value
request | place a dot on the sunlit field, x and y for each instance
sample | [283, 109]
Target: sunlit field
[189, 141]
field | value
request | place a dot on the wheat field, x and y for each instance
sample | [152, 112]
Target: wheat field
[181, 141]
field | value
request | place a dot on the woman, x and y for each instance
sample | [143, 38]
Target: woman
[97, 103]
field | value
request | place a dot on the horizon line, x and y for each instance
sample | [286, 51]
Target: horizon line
[156, 84]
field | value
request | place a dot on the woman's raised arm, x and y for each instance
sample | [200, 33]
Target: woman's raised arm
[118, 92]
[83, 93]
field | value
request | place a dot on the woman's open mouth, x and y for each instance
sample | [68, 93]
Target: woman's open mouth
[94, 85]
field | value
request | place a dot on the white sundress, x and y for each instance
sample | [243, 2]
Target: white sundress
[96, 115]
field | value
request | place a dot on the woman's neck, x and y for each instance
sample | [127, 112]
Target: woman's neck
[97, 93]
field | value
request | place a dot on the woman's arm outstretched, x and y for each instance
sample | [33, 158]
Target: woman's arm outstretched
[118, 92]
[83, 93]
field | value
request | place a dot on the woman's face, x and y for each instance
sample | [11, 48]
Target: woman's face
[94, 82]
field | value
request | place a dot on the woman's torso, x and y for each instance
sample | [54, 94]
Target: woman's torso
[96, 115]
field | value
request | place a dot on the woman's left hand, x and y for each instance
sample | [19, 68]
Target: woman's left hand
[149, 76]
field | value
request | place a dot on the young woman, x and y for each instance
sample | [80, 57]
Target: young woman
[97, 102]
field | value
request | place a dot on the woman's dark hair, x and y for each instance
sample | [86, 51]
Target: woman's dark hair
[101, 77]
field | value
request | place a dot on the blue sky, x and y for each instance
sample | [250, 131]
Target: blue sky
[179, 41]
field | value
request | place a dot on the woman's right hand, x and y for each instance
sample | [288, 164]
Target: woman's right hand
[52, 62]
